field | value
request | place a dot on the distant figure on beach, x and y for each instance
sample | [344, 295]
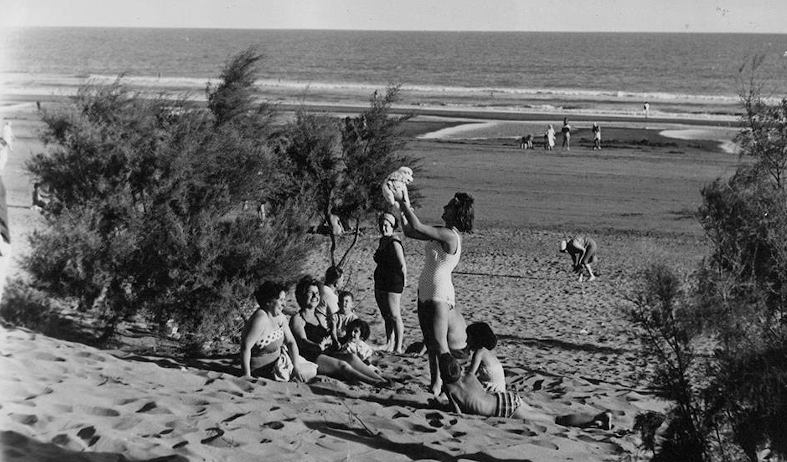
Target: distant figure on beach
[549, 138]
[442, 324]
[390, 276]
[566, 131]
[4, 149]
[596, 136]
[8, 135]
[526, 142]
[583, 252]
[646, 109]
[5, 238]
[466, 395]
[268, 348]
[481, 341]
[312, 334]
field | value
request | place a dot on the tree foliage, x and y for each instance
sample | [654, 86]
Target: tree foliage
[738, 301]
[154, 205]
[341, 166]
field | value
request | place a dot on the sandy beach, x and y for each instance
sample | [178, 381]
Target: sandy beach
[565, 346]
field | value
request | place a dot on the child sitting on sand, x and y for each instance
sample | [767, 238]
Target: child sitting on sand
[346, 312]
[481, 341]
[467, 395]
[355, 341]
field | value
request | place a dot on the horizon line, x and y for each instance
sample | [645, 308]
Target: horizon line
[391, 30]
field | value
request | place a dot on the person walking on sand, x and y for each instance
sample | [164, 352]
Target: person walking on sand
[596, 136]
[390, 276]
[566, 130]
[549, 138]
[646, 109]
[441, 322]
[583, 252]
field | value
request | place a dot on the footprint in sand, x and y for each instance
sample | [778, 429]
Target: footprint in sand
[101, 411]
[25, 419]
[545, 444]
[88, 435]
[233, 417]
[275, 425]
[124, 401]
[152, 408]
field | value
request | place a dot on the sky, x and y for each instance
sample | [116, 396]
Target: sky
[747, 16]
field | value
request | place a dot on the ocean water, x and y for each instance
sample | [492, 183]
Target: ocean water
[514, 69]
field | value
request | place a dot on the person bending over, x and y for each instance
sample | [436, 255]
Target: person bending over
[583, 252]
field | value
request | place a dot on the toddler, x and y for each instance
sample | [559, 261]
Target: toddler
[355, 341]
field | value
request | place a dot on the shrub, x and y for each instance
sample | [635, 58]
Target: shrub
[153, 213]
[735, 404]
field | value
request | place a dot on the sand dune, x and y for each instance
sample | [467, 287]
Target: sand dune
[567, 347]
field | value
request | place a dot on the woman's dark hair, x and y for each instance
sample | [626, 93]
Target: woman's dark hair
[302, 286]
[268, 291]
[361, 324]
[464, 212]
[381, 218]
[332, 275]
[479, 334]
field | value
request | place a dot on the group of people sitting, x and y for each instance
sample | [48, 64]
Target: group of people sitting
[325, 336]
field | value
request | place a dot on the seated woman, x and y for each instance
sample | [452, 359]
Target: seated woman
[264, 335]
[312, 333]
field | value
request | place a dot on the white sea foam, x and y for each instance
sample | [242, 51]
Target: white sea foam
[488, 93]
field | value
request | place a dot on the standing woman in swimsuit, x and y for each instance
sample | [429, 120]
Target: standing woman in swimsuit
[389, 279]
[264, 334]
[441, 322]
[313, 336]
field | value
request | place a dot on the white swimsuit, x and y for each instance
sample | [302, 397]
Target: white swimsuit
[435, 281]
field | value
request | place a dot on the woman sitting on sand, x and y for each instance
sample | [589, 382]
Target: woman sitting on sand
[264, 334]
[466, 395]
[312, 334]
[441, 322]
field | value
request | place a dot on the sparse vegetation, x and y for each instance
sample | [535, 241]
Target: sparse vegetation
[730, 404]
